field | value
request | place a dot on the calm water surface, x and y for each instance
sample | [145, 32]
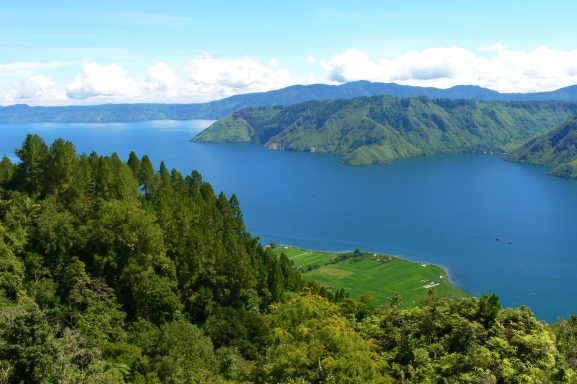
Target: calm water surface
[441, 209]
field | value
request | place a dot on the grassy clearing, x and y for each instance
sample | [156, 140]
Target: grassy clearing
[378, 274]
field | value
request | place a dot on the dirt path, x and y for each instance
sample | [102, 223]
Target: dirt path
[299, 255]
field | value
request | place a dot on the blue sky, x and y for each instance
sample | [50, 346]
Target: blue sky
[77, 52]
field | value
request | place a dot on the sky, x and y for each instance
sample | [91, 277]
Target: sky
[111, 51]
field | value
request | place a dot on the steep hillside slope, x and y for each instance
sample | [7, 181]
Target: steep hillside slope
[380, 129]
[556, 149]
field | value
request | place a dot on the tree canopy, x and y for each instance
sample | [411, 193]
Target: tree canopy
[113, 272]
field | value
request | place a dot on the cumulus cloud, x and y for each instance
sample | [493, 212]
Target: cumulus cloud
[35, 88]
[352, 65]
[161, 78]
[210, 77]
[207, 77]
[430, 64]
[97, 80]
[497, 68]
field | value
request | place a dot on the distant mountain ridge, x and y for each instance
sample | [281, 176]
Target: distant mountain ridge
[380, 129]
[107, 113]
[556, 148]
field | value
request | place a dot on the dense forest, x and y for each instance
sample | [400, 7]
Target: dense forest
[556, 148]
[114, 272]
[217, 109]
[381, 129]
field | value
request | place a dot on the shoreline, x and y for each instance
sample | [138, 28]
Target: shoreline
[401, 257]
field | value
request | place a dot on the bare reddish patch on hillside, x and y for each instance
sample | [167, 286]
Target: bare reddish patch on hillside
[241, 114]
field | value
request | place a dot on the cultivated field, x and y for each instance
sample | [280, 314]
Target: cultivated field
[361, 273]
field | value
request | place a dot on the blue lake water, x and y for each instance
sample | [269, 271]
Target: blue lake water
[445, 209]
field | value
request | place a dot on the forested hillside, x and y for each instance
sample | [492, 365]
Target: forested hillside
[556, 148]
[106, 265]
[112, 272]
[381, 129]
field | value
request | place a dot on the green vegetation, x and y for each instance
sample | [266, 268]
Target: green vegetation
[363, 273]
[108, 268]
[566, 170]
[556, 148]
[112, 272]
[237, 131]
[381, 129]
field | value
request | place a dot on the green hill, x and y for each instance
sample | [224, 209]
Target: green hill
[556, 148]
[380, 129]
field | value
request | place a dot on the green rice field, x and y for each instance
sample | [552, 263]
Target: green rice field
[361, 273]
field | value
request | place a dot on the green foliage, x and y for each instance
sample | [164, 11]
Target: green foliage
[381, 129]
[185, 354]
[556, 148]
[116, 273]
[566, 333]
[31, 171]
[27, 342]
[11, 271]
[92, 306]
[229, 130]
[442, 341]
[61, 168]
[145, 174]
[489, 307]
[134, 163]
[113, 260]
[312, 341]
[242, 329]
[6, 171]
[566, 170]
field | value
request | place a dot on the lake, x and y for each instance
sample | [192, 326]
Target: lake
[444, 209]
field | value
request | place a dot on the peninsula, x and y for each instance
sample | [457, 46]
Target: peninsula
[381, 129]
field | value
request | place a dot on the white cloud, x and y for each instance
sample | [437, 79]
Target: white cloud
[497, 68]
[204, 78]
[104, 81]
[161, 78]
[210, 77]
[430, 64]
[310, 59]
[36, 88]
[352, 64]
[207, 77]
